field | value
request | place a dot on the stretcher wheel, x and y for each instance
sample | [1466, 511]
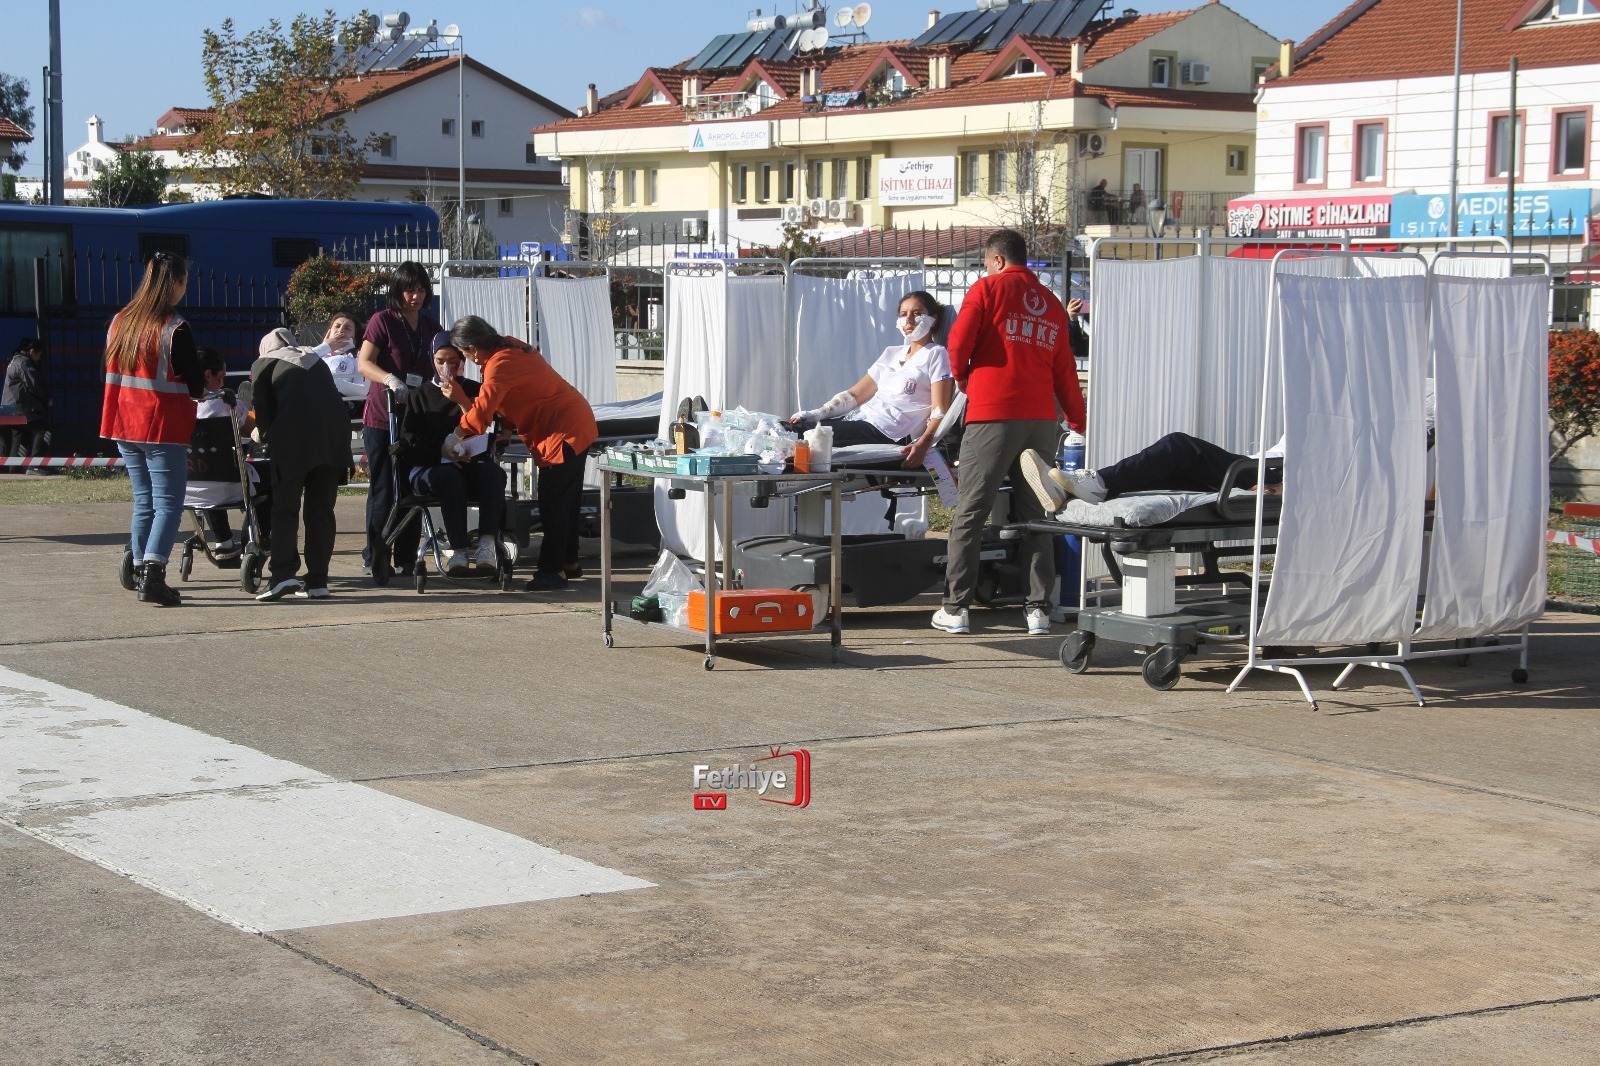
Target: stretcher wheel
[1076, 651]
[1161, 668]
[250, 571]
[1519, 676]
[422, 578]
[125, 570]
[186, 565]
[382, 569]
[610, 641]
[710, 663]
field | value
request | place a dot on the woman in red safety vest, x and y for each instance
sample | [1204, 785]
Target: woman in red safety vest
[153, 378]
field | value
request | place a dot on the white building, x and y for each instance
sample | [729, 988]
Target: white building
[414, 110]
[1353, 131]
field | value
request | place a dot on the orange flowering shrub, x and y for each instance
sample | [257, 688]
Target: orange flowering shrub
[321, 287]
[1574, 387]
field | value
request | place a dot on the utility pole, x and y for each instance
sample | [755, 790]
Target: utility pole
[1455, 135]
[1514, 132]
[53, 120]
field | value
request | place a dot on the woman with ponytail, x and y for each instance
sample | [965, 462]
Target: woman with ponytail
[153, 378]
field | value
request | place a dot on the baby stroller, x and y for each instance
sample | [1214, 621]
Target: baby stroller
[217, 453]
[411, 507]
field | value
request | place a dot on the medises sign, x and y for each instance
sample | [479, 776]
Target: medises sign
[1314, 218]
[730, 137]
[1540, 213]
[913, 182]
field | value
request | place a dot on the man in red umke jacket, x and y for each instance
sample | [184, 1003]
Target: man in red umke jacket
[1010, 354]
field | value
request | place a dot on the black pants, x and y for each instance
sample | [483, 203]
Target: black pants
[451, 485]
[314, 493]
[848, 431]
[31, 441]
[560, 501]
[1178, 461]
[380, 501]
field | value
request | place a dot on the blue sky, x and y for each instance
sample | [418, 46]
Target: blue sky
[129, 62]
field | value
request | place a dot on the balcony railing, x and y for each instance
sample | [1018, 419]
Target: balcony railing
[1185, 207]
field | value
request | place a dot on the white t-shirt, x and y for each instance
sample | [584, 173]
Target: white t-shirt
[205, 494]
[346, 372]
[900, 407]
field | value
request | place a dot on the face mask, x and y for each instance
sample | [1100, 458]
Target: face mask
[924, 326]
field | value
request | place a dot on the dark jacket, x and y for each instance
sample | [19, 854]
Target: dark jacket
[298, 409]
[26, 387]
[426, 419]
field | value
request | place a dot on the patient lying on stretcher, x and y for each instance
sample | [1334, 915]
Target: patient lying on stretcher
[903, 395]
[1178, 462]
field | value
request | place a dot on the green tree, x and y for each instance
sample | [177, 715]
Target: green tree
[14, 106]
[278, 103]
[135, 178]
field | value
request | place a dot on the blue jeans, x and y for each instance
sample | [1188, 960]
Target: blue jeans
[159, 473]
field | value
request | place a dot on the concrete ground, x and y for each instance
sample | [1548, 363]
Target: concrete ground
[1001, 862]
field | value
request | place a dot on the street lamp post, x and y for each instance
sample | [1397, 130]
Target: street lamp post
[1156, 216]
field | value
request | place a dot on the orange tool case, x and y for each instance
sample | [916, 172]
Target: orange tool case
[753, 611]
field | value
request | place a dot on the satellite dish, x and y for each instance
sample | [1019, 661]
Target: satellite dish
[451, 30]
[813, 39]
[844, 17]
[862, 13]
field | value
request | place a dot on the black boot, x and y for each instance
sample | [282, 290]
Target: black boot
[153, 587]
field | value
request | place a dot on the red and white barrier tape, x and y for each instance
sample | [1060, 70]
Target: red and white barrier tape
[1572, 540]
[76, 462]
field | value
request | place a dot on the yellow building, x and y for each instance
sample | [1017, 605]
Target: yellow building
[1012, 115]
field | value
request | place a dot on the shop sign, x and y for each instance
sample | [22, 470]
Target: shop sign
[909, 182]
[1314, 218]
[1540, 213]
[731, 137]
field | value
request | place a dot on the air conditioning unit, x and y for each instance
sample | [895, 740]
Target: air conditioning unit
[1195, 73]
[694, 229]
[817, 207]
[1091, 144]
[841, 210]
[795, 214]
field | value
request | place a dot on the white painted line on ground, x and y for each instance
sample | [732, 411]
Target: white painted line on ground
[256, 841]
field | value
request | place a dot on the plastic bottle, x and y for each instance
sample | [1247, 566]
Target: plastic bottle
[1072, 451]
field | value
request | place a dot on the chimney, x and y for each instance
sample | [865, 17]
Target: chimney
[933, 17]
[938, 72]
[1285, 58]
[1080, 52]
[592, 101]
[97, 129]
[691, 90]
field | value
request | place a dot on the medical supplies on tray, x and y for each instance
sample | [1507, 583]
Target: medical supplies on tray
[735, 442]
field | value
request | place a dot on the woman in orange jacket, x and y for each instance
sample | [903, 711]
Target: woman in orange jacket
[153, 378]
[551, 416]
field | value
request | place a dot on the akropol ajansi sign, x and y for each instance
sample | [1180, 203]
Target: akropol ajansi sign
[911, 182]
[1316, 218]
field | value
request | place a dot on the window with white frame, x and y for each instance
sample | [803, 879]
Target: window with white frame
[790, 173]
[1022, 68]
[1370, 144]
[630, 187]
[764, 183]
[1569, 150]
[1161, 66]
[386, 146]
[1505, 146]
[1025, 170]
[971, 173]
[1311, 155]
[814, 186]
[999, 163]
[762, 95]
[508, 207]
[841, 179]
[1562, 10]
[741, 183]
[894, 81]
[477, 127]
[447, 127]
[864, 178]
[652, 182]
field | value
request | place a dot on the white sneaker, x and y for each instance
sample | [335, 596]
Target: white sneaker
[455, 563]
[951, 622]
[1036, 472]
[1038, 621]
[1084, 484]
[484, 556]
[279, 590]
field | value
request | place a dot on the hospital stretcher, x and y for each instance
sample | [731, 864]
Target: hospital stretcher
[1143, 560]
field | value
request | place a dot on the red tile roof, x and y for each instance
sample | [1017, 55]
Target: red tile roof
[181, 117]
[1381, 39]
[10, 131]
[1118, 35]
[920, 244]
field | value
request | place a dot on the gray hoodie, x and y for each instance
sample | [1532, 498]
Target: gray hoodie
[280, 344]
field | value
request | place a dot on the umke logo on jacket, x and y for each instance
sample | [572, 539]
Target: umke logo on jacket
[1031, 328]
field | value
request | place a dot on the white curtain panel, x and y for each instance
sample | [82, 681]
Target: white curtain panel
[576, 334]
[1473, 266]
[841, 325]
[501, 302]
[1233, 309]
[724, 341]
[1349, 551]
[1487, 553]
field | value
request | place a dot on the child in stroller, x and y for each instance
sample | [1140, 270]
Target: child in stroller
[222, 479]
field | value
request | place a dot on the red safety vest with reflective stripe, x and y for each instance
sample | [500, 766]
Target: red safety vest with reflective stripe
[151, 404]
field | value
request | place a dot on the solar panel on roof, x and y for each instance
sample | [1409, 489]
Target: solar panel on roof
[1044, 18]
[716, 45]
[958, 28]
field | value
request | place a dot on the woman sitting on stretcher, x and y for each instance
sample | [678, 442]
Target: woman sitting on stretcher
[902, 396]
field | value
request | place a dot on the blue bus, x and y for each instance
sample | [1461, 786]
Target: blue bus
[64, 271]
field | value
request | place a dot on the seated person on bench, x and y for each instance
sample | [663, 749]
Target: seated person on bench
[1177, 462]
[902, 396]
[428, 415]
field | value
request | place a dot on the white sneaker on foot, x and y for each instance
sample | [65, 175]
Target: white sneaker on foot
[316, 592]
[1036, 472]
[1038, 621]
[1084, 484]
[279, 590]
[455, 563]
[951, 622]
[484, 556]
